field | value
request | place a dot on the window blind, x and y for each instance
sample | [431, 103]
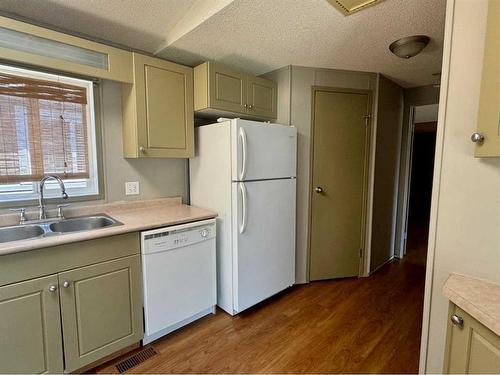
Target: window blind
[43, 129]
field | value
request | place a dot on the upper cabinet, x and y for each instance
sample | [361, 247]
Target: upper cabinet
[24, 43]
[221, 91]
[158, 119]
[487, 137]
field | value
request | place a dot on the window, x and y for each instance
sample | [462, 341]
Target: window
[47, 126]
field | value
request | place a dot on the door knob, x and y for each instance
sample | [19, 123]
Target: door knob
[318, 189]
[457, 320]
[477, 137]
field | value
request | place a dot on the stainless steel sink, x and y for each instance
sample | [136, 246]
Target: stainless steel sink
[20, 232]
[79, 224]
[54, 227]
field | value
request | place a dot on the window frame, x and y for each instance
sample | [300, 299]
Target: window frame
[94, 115]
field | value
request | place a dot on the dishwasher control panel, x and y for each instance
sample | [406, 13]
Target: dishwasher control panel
[170, 238]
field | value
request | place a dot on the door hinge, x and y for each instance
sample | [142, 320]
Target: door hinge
[367, 119]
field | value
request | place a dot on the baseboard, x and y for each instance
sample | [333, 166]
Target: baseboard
[383, 264]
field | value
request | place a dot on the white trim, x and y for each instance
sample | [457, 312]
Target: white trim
[443, 104]
[401, 250]
[367, 251]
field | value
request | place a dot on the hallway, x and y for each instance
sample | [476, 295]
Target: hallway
[351, 325]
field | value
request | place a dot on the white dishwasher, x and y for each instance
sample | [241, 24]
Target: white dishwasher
[179, 276]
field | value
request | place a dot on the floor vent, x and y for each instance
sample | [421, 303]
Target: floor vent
[136, 359]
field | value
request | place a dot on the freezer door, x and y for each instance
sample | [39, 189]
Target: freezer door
[262, 151]
[264, 240]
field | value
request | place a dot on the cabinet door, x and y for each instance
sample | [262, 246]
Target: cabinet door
[227, 89]
[101, 310]
[471, 348]
[488, 120]
[164, 106]
[262, 96]
[30, 327]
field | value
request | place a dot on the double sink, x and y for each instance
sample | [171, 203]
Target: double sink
[52, 227]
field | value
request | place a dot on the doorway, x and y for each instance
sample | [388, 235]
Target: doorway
[420, 180]
[339, 165]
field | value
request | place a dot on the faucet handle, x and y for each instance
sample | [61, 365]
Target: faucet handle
[60, 214]
[22, 211]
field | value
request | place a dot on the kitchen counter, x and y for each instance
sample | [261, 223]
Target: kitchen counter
[135, 216]
[478, 298]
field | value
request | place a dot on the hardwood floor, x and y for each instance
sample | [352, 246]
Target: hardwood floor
[350, 325]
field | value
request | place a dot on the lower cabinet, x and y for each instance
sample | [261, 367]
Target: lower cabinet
[94, 310]
[101, 309]
[471, 348]
[30, 327]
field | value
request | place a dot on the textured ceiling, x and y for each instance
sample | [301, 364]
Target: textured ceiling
[139, 24]
[257, 35]
[261, 35]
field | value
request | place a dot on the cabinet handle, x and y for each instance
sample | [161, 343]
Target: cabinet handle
[245, 105]
[52, 288]
[142, 149]
[477, 137]
[66, 284]
[250, 106]
[457, 320]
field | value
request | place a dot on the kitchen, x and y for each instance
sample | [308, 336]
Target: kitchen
[185, 193]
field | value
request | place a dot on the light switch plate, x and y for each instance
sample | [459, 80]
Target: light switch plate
[132, 188]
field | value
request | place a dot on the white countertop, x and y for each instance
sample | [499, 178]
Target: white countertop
[135, 216]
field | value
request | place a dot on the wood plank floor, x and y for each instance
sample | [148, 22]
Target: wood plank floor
[351, 325]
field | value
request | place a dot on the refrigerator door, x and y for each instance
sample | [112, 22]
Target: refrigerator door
[263, 240]
[262, 151]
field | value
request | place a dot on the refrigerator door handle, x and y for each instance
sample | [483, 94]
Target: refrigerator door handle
[244, 214]
[243, 136]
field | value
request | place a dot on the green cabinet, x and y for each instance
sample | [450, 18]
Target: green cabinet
[30, 327]
[219, 91]
[471, 348]
[488, 119]
[101, 310]
[158, 117]
[75, 304]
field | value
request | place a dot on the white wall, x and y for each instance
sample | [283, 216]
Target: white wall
[295, 109]
[465, 221]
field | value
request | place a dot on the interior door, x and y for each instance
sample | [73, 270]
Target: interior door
[263, 151]
[30, 327]
[340, 143]
[264, 235]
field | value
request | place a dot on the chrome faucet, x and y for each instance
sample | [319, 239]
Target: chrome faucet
[41, 207]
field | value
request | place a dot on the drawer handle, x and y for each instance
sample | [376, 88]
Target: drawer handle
[457, 320]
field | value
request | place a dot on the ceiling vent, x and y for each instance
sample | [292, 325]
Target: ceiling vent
[347, 7]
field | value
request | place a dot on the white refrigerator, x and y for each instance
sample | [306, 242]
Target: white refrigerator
[246, 172]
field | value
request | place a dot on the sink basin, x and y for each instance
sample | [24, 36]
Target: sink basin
[21, 232]
[79, 224]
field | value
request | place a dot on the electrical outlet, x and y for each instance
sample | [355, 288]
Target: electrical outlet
[132, 188]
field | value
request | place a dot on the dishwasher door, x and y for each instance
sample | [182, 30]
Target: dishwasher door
[179, 276]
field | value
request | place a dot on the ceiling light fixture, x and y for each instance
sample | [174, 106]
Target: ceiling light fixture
[409, 46]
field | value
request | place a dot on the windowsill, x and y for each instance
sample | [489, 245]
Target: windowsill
[50, 201]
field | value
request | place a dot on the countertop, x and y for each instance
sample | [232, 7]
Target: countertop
[478, 298]
[135, 216]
